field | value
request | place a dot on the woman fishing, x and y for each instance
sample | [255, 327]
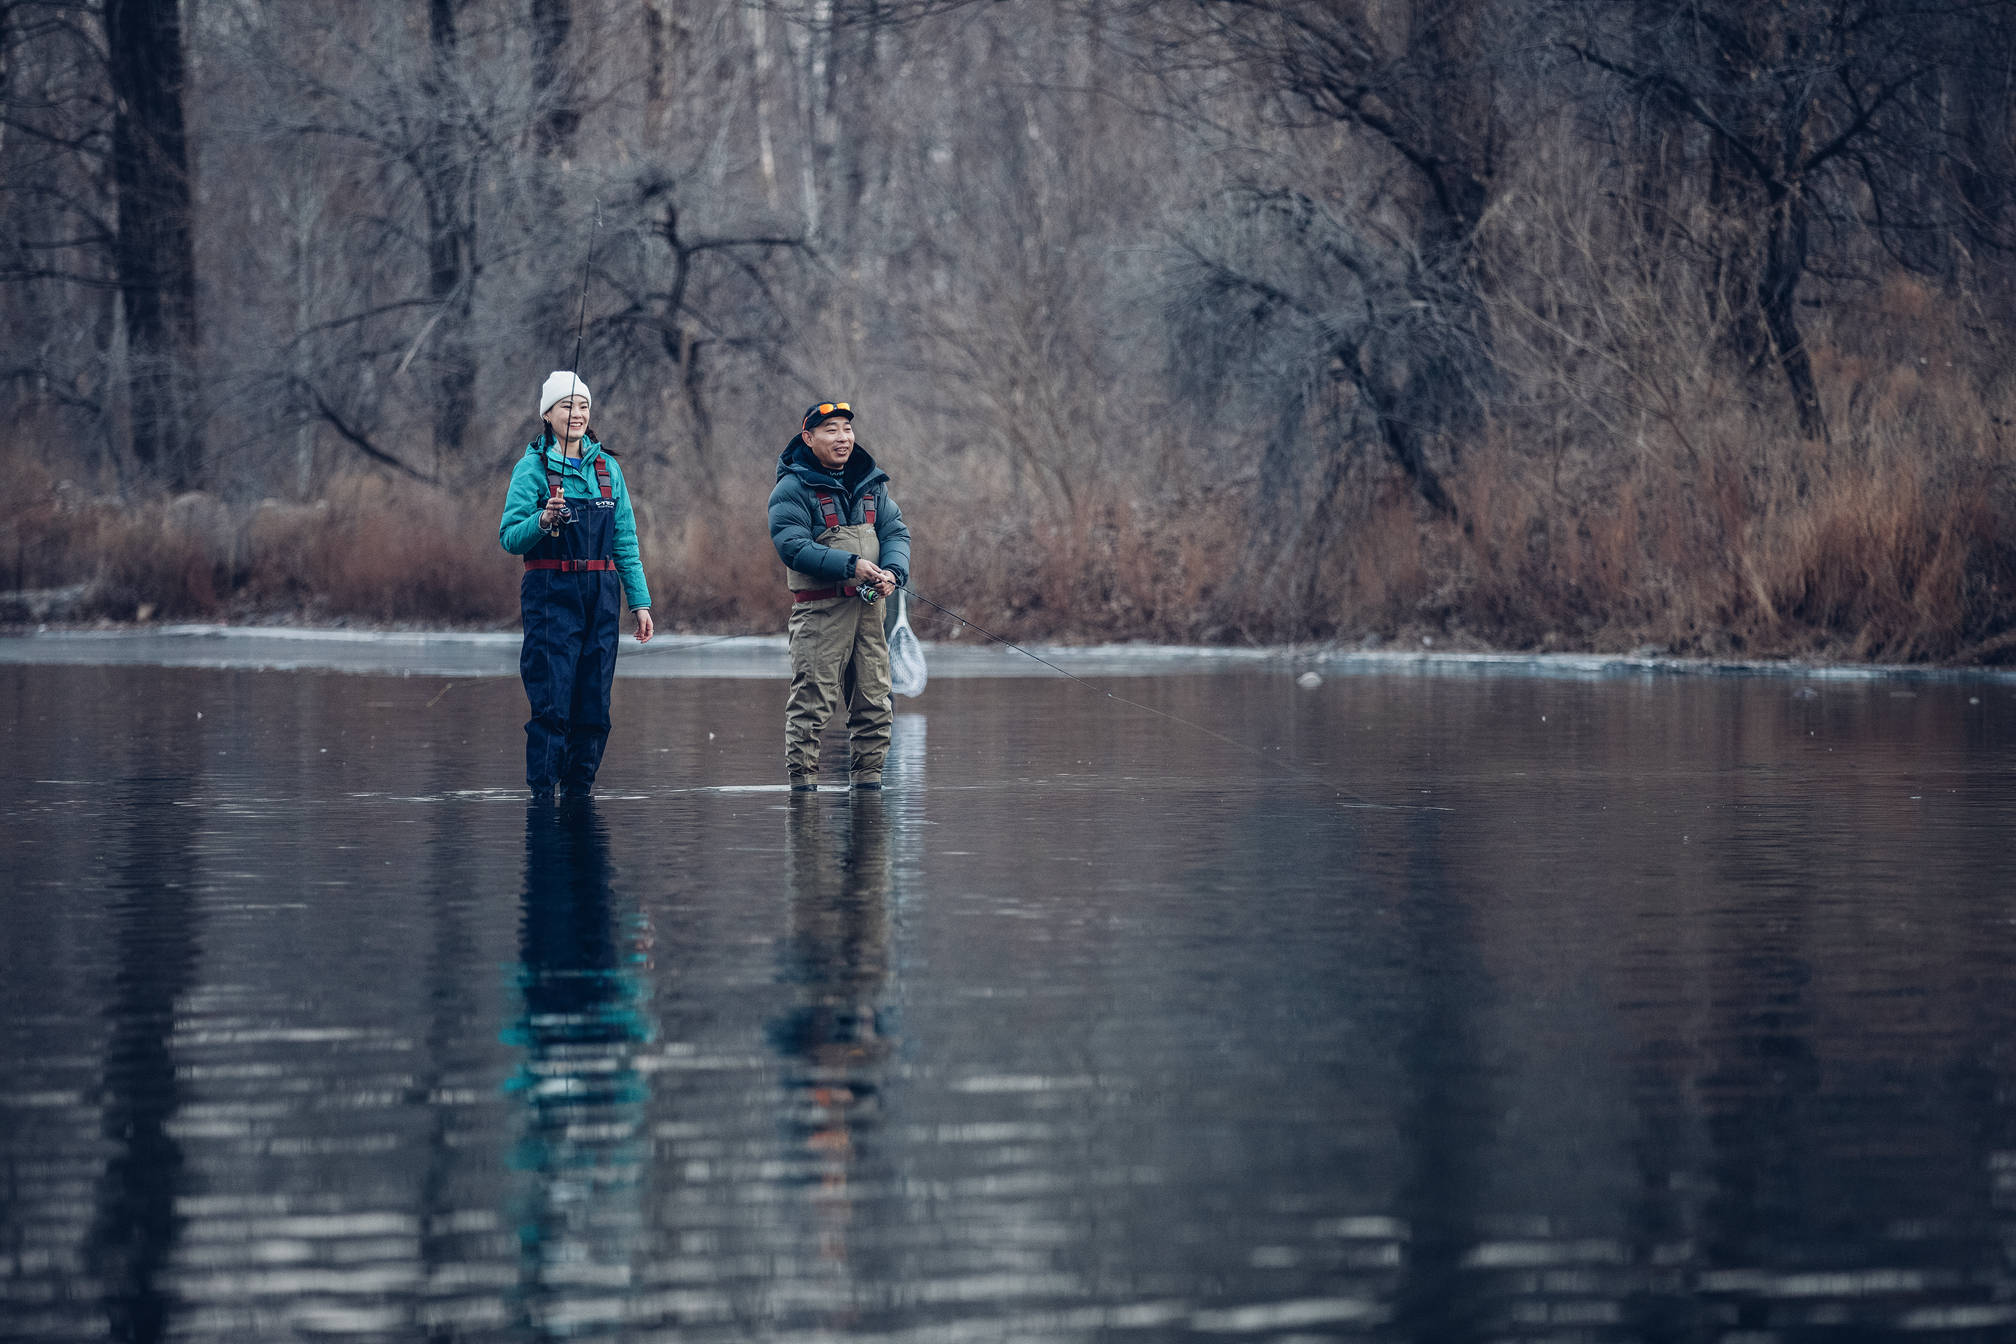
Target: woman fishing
[568, 513]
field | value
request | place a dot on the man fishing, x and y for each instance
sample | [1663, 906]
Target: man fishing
[844, 544]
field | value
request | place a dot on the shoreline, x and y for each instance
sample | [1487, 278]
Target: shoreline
[443, 652]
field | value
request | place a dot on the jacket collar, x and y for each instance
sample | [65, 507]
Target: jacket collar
[860, 472]
[550, 454]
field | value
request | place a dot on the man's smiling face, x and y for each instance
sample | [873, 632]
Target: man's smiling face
[832, 442]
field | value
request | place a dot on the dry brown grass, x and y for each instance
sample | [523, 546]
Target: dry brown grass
[370, 551]
[398, 554]
[1895, 543]
[1109, 567]
[711, 568]
[1706, 530]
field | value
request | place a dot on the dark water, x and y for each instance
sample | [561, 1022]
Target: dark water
[1647, 1009]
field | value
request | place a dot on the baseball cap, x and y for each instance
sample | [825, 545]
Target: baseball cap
[820, 412]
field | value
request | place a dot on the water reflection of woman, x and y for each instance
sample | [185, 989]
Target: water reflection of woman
[582, 1018]
[837, 1039]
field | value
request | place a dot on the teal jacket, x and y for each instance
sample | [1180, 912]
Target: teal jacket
[519, 530]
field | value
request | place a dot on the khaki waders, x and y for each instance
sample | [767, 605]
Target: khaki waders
[838, 652]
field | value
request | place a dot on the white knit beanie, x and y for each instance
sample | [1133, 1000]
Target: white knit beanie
[560, 384]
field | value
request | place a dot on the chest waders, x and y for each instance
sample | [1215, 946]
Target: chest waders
[571, 602]
[838, 653]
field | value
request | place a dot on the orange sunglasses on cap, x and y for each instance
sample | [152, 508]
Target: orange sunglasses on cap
[824, 409]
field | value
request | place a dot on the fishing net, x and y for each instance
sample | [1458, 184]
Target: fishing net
[906, 654]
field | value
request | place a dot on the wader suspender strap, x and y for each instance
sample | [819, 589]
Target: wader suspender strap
[601, 474]
[832, 512]
[577, 566]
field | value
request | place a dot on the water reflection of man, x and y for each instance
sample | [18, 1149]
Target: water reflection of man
[837, 1039]
[582, 1016]
[157, 938]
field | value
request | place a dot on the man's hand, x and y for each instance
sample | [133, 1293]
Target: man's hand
[881, 580]
[644, 627]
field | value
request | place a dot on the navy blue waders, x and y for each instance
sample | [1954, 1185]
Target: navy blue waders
[571, 603]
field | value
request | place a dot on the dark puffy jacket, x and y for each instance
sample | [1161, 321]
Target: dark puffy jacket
[796, 520]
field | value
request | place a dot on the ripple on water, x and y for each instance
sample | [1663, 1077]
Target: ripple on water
[1678, 1021]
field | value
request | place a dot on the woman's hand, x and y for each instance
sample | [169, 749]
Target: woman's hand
[644, 627]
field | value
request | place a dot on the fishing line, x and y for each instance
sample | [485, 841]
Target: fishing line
[671, 647]
[1173, 718]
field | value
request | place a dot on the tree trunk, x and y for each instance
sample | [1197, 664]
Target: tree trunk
[1461, 115]
[759, 45]
[552, 20]
[1397, 429]
[153, 252]
[6, 66]
[449, 246]
[1777, 295]
[446, 168]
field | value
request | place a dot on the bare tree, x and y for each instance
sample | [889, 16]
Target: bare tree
[439, 147]
[419, 147]
[690, 293]
[1817, 122]
[108, 198]
[1351, 309]
[552, 20]
[153, 251]
[1295, 264]
[1283, 312]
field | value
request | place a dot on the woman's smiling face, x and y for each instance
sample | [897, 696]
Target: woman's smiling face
[568, 418]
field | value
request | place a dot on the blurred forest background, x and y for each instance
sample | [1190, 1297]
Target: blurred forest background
[1514, 323]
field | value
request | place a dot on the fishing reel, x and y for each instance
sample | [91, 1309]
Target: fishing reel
[865, 590]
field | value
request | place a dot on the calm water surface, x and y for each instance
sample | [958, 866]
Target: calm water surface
[1629, 1009]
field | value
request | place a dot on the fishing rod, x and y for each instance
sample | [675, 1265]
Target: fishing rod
[574, 365]
[581, 325]
[1173, 718]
